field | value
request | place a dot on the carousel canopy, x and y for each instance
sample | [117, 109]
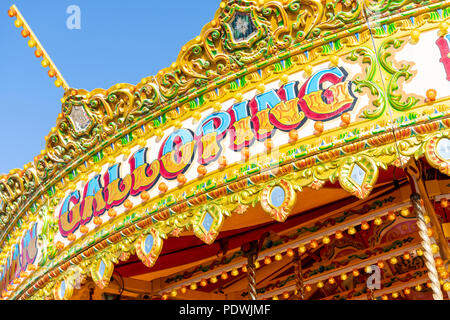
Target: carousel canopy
[286, 121]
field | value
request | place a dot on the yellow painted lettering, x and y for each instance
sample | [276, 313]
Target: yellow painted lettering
[243, 131]
[264, 124]
[141, 181]
[287, 113]
[210, 147]
[118, 190]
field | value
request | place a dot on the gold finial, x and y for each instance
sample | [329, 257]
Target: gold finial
[40, 51]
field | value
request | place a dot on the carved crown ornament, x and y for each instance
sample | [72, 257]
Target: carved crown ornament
[247, 43]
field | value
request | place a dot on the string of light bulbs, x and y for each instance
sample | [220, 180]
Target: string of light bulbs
[311, 241]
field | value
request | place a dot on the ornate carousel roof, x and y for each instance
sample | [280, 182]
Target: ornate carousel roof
[273, 101]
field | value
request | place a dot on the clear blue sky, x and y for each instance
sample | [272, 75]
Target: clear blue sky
[119, 42]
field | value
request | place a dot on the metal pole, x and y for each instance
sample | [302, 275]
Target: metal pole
[251, 276]
[426, 244]
[250, 249]
[370, 294]
[417, 185]
[299, 285]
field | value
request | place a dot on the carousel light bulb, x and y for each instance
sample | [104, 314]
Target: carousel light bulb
[244, 268]
[302, 249]
[314, 244]
[391, 216]
[174, 293]
[446, 286]
[165, 296]
[365, 225]
[418, 287]
[344, 277]
[267, 260]
[293, 135]
[12, 13]
[286, 295]
[444, 203]
[384, 297]
[355, 273]
[308, 288]
[407, 291]
[443, 274]
[234, 272]
[406, 256]
[378, 221]
[415, 34]
[58, 83]
[368, 269]
[439, 262]
[278, 257]
[395, 295]
[308, 69]
[197, 115]
[245, 153]
[405, 212]
[320, 284]
[393, 260]
[275, 298]
[334, 60]
[223, 162]
[193, 286]
[261, 87]
[419, 252]
[434, 248]
[339, 235]
[427, 219]
[268, 144]
[331, 281]
[380, 264]
[351, 231]
[18, 23]
[239, 97]
[224, 275]
[38, 53]
[290, 252]
[203, 283]
[430, 232]
[183, 289]
[31, 43]
[326, 240]
[284, 78]
[257, 265]
[213, 279]
[159, 132]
